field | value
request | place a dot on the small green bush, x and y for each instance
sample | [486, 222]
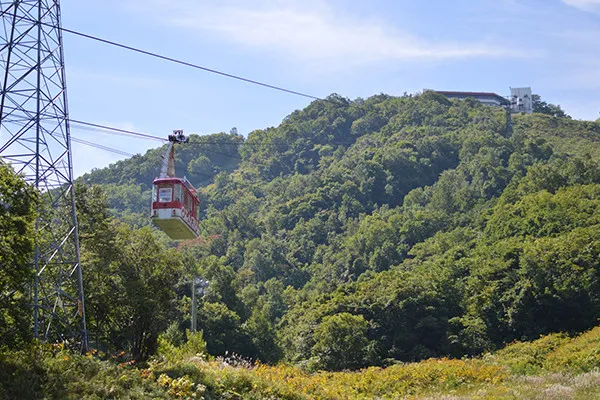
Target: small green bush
[529, 358]
[195, 346]
[581, 354]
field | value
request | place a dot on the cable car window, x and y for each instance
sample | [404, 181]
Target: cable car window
[165, 195]
[177, 193]
[154, 192]
[188, 201]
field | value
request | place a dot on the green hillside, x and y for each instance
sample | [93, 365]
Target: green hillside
[356, 234]
[440, 227]
[567, 136]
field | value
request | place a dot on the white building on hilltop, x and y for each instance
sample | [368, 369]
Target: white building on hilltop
[521, 100]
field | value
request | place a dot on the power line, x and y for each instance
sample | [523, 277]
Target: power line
[89, 126]
[88, 129]
[113, 130]
[99, 127]
[101, 147]
[117, 151]
[110, 128]
[124, 132]
[175, 60]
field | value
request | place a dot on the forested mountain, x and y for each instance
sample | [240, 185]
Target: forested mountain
[361, 232]
[356, 233]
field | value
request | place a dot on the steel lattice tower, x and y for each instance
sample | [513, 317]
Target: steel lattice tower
[35, 140]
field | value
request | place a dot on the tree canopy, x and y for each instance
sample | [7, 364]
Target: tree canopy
[18, 202]
[399, 227]
[542, 107]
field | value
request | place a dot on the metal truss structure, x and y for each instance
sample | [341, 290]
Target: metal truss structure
[35, 140]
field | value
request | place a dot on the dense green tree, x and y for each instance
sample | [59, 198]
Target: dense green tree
[223, 331]
[130, 279]
[341, 342]
[261, 331]
[97, 241]
[542, 107]
[145, 274]
[18, 202]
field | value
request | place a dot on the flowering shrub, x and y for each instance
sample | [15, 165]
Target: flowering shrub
[391, 382]
[180, 387]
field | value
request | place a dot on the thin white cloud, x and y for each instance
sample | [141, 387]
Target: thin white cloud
[313, 31]
[585, 5]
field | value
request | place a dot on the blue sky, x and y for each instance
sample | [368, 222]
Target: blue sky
[354, 48]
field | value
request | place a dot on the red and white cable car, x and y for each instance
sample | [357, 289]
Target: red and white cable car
[175, 202]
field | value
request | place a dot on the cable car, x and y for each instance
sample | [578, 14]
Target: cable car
[175, 202]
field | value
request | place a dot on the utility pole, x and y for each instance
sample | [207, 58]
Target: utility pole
[194, 311]
[35, 139]
[200, 285]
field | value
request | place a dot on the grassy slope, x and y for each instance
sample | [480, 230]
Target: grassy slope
[566, 136]
[553, 367]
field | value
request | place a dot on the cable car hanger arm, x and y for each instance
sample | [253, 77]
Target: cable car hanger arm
[168, 167]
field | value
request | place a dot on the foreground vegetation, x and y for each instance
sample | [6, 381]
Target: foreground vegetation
[552, 367]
